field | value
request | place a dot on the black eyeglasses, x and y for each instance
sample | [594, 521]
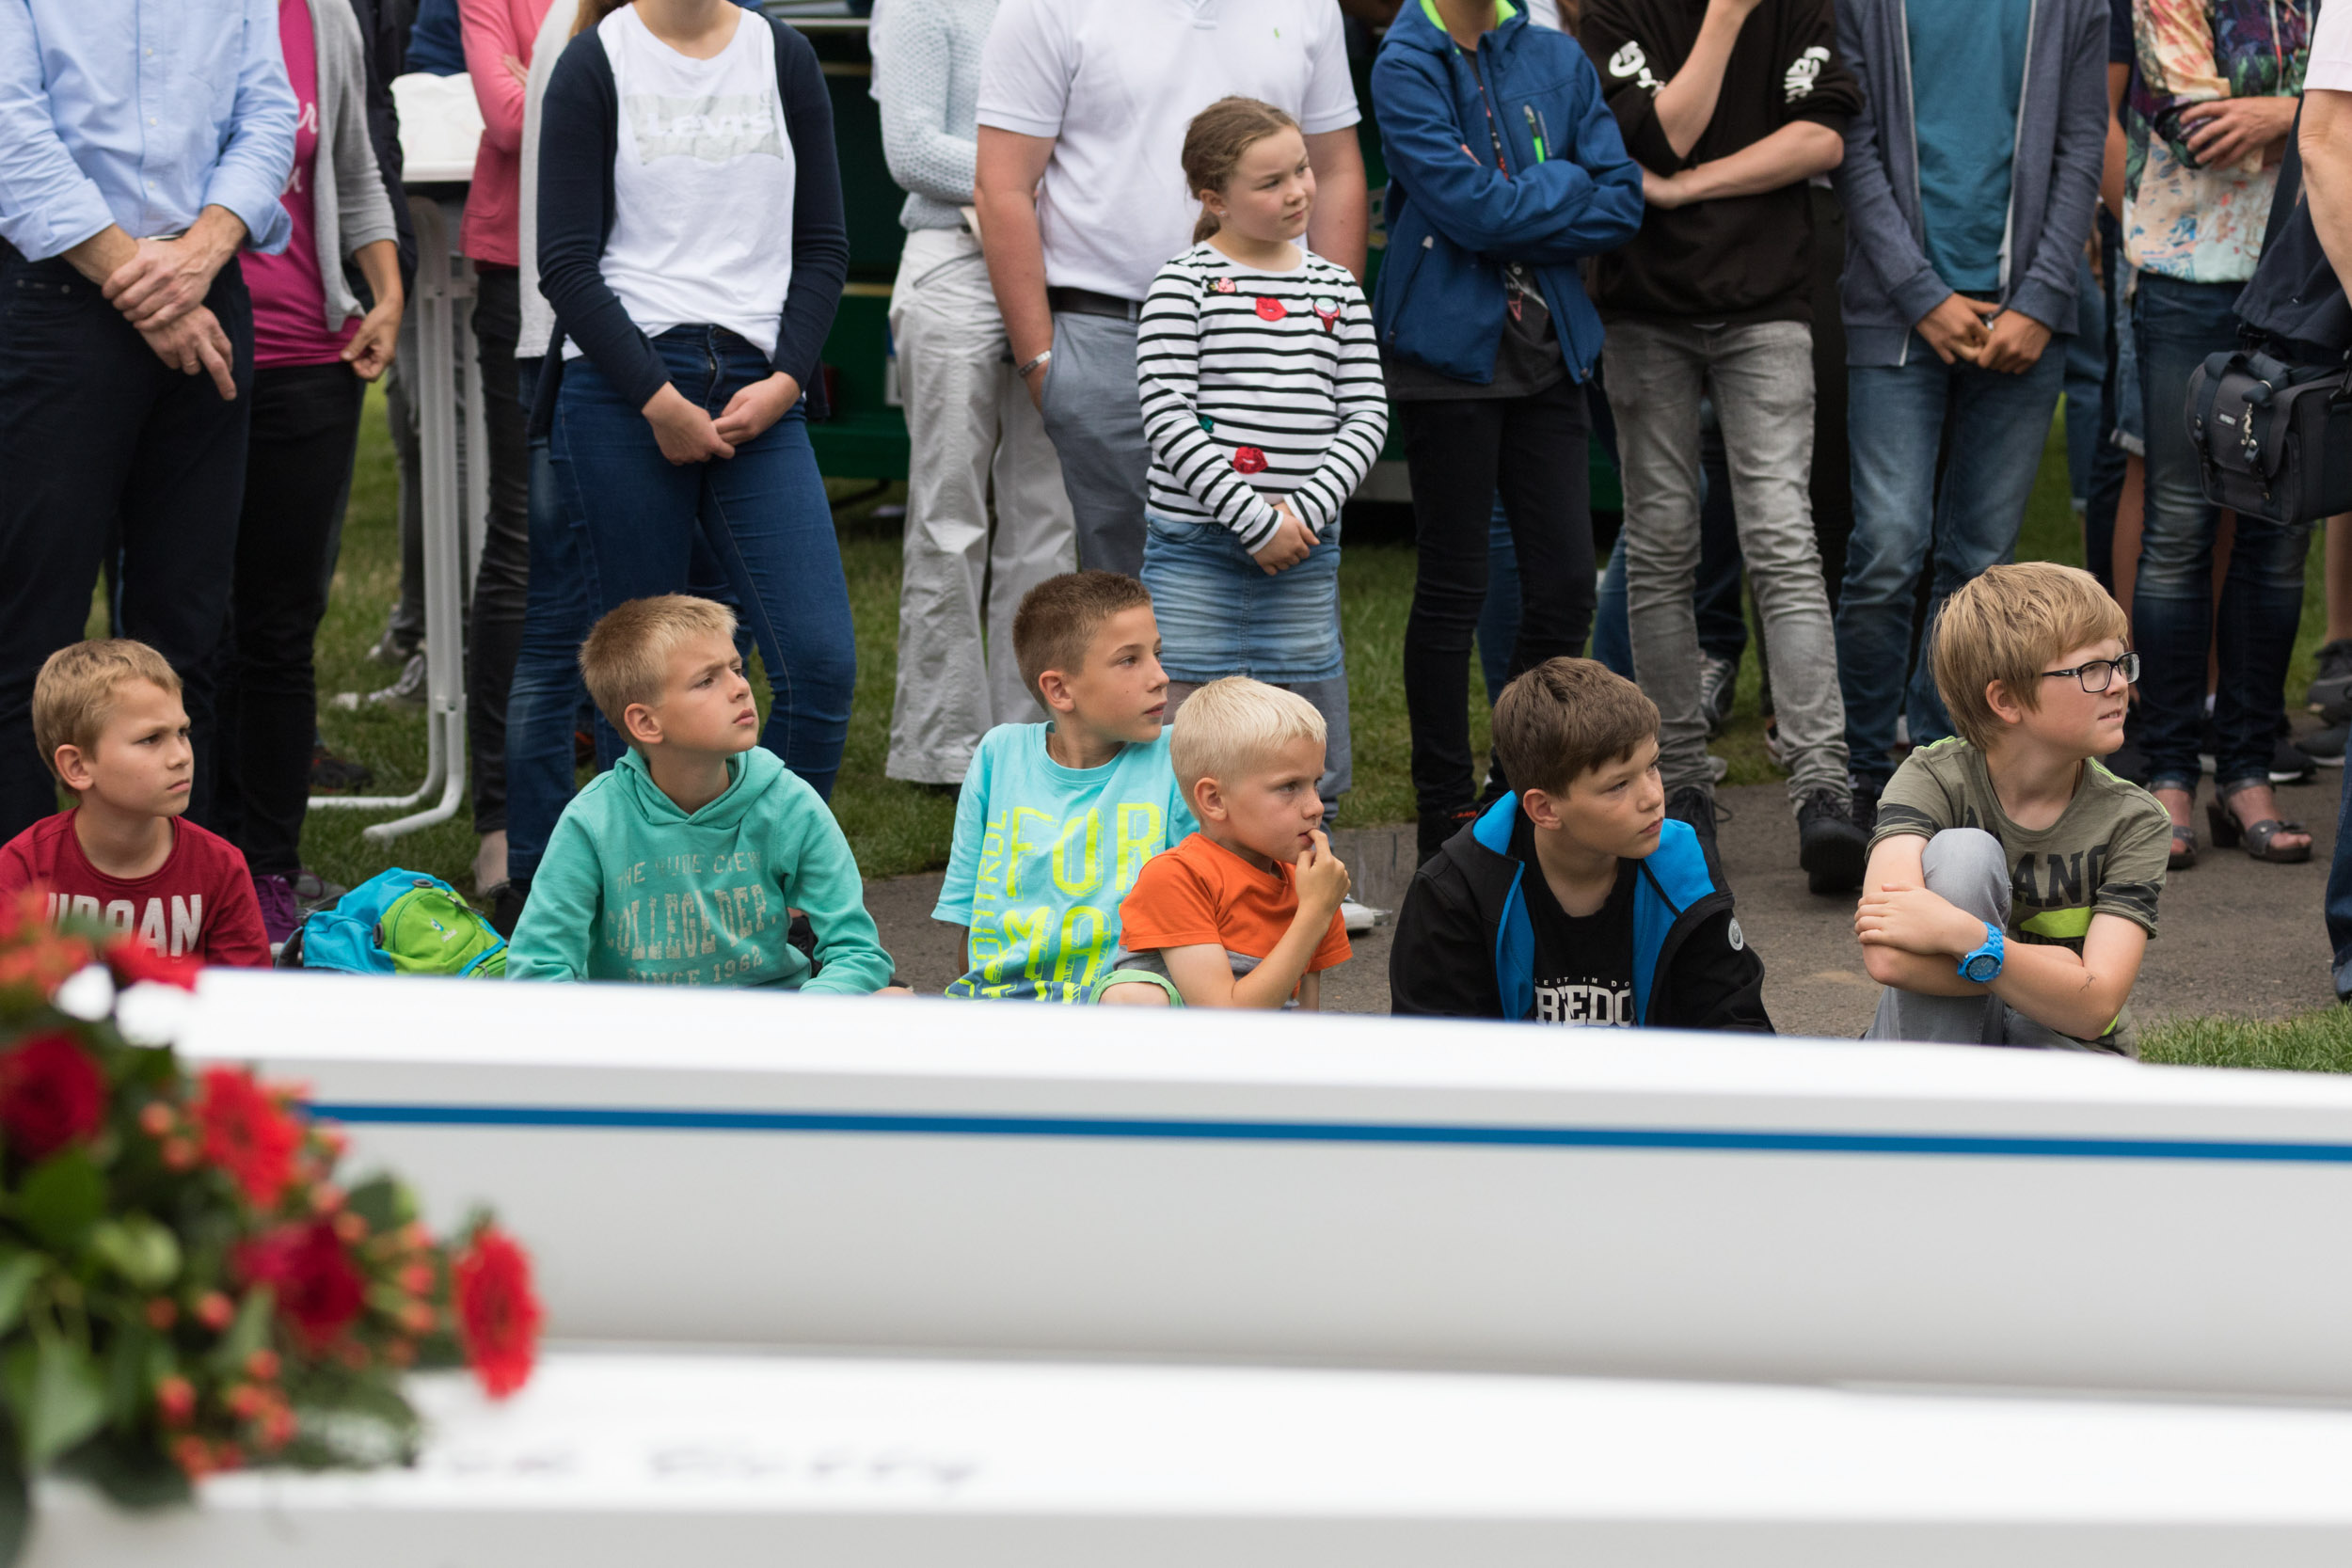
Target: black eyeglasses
[2099, 675]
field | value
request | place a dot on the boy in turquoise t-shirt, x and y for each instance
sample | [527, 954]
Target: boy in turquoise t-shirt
[1056, 819]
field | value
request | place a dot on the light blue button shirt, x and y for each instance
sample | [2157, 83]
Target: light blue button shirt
[141, 113]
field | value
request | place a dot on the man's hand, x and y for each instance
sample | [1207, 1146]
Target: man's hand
[1035, 382]
[1912, 920]
[1323, 881]
[2016, 344]
[2228, 131]
[1955, 331]
[1291, 540]
[753, 408]
[165, 279]
[196, 343]
[684, 432]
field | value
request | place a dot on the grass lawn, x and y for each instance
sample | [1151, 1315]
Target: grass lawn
[896, 827]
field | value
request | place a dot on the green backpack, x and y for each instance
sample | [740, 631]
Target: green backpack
[403, 923]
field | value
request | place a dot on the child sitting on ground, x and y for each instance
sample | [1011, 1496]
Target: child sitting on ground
[1245, 912]
[1576, 899]
[2012, 882]
[682, 864]
[107, 717]
[1056, 819]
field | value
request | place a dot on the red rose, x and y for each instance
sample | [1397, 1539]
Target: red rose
[132, 961]
[319, 1291]
[498, 1313]
[42, 963]
[1248, 460]
[247, 1133]
[51, 1094]
[1270, 309]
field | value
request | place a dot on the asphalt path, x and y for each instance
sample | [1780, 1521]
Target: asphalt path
[2235, 936]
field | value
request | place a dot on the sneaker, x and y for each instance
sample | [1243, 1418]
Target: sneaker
[407, 692]
[2330, 690]
[2291, 765]
[1865, 801]
[1436, 827]
[312, 891]
[1695, 806]
[1717, 768]
[1719, 683]
[505, 906]
[1359, 918]
[334, 775]
[1831, 845]
[280, 915]
[2325, 747]
[396, 647]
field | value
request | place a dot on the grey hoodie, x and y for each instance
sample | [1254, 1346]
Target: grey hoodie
[2054, 174]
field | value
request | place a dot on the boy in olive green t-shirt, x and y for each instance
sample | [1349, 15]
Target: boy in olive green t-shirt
[2012, 884]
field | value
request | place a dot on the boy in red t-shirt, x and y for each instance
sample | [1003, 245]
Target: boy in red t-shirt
[1246, 912]
[108, 721]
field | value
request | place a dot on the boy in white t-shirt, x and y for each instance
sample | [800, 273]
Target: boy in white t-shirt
[1081, 197]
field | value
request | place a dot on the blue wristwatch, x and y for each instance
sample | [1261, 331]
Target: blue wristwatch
[1983, 966]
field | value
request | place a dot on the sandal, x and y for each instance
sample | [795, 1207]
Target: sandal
[2184, 854]
[2256, 837]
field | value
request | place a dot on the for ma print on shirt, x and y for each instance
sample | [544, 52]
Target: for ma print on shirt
[1053, 939]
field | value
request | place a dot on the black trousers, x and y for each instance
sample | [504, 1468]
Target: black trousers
[501, 585]
[98, 439]
[1460, 455]
[306, 431]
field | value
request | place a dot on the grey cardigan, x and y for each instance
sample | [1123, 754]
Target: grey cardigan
[353, 209]
[2053, 174]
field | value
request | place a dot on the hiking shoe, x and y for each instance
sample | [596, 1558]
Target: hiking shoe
[1695, 806]
[2291, 765]
[1865, 801]
[334, 775]
[312, 891]
[1831, 845]
[2325, 747]
[2330, 692]
[407, 692]
[280, 915]
[1436, 827]
[1719, 683]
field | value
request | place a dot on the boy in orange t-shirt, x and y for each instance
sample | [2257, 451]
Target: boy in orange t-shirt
[1246, 912]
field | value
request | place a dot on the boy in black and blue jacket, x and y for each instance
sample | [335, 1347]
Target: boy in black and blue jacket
[1576, 900]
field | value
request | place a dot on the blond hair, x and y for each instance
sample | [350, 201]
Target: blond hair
[1058, 620]
[2008, 625]
[626, 657]
[74, 694]
[1565, 718]
[1231, 725]
[1214, 145]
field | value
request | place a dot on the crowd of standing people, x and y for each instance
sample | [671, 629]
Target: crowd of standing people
[1134, 335]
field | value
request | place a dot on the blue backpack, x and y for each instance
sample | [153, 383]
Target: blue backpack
[403, 923]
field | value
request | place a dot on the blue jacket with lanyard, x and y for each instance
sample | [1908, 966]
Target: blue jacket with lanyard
[1564, 190]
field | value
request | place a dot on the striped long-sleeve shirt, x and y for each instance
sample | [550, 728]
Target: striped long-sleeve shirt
[1257, 386]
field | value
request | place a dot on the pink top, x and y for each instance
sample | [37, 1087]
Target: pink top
[493, 205]
[289, 295]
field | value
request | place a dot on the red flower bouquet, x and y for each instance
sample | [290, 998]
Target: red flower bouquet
[184, 1285]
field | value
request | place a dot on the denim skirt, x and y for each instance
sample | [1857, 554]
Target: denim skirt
[1220, 614]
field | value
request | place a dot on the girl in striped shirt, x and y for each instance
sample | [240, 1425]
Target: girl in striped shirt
[1262, 395]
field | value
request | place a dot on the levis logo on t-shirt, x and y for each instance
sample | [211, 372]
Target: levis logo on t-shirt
[714, 128]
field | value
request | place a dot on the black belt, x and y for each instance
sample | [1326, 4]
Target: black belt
[1085, 302]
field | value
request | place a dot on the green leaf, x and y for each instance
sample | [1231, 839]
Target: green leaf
[18, 1271]
[248, 1333]
[380, 1201]
[60, 1395]
[128, 1358]
[62, 1200]
[138, 1249]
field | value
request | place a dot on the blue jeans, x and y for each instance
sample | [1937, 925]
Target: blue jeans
[762, 513]
[2086, 380]
[2172, 610]
[1715, 597]
[1895, 421]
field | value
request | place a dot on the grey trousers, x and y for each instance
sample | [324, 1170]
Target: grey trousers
[1760, 377]
[970, 423]
[1094, 414]
[1967, 868]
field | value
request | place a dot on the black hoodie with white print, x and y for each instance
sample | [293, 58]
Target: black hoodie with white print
[1736, 259]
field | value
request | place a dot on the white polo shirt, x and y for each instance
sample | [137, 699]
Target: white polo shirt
[1115, 82]
[2331, 67]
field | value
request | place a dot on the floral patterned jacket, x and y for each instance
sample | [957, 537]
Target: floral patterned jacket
[2180, 219]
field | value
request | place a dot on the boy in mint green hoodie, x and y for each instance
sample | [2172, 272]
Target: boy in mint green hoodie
[682, 864]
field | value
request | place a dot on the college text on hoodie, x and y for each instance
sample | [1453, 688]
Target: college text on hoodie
[1735, 258]
[631, 888]
[1567, 191]
[1464, 946]
[2060, 147]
